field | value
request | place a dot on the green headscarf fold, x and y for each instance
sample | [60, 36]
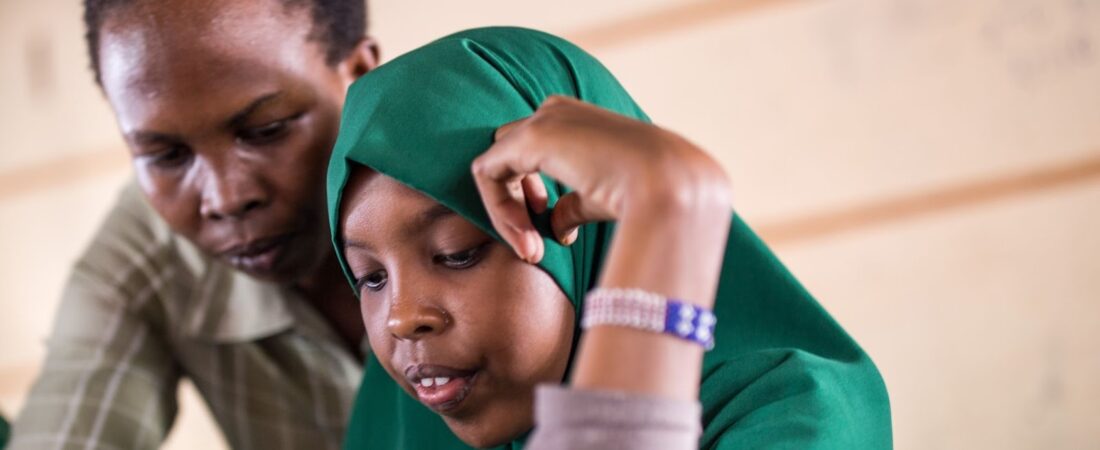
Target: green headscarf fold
[783, 373]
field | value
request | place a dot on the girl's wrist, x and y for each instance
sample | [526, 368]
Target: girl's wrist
[674, 224]
[679, 200]
[672, 252]
[680, 180]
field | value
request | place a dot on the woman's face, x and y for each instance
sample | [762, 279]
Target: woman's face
[230, 112]
[453, 315]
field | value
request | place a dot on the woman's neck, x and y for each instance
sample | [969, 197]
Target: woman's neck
[328, 292]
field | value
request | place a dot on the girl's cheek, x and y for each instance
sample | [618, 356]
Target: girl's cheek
[375, 324]
[363, 315]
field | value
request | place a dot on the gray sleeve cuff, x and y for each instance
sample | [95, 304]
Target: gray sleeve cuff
[576, 419]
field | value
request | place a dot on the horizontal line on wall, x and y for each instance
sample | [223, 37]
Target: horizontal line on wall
[60, 172]
[934, 200]
[669, 19]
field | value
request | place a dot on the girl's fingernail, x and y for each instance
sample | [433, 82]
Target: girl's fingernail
[533, 253]
[569, 237]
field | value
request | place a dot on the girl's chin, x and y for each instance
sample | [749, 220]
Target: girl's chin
[487, 430]
[486, 439]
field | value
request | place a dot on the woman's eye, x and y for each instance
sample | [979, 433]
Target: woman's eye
[171, 157]
[461, 260]
[265, 133]
[373, 281]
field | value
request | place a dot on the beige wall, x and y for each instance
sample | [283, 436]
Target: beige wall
[930, 169]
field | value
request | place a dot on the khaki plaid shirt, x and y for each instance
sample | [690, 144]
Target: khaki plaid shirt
[144, 308]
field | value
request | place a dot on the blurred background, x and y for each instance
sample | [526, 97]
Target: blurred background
[930, 169]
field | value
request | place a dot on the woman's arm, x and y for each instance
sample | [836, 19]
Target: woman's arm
[109, 379]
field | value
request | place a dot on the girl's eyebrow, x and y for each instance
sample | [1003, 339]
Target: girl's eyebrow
[418, 224]
[428, 217]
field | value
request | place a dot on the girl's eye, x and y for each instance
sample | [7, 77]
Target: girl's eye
[373, 281]
[462, 260]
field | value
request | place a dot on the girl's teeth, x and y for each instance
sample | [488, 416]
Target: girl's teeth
[437, 381]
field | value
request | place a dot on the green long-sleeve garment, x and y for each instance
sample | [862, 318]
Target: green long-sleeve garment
[783, 373]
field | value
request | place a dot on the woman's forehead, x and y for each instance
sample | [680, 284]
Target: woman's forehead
[197, 18]
[174, 79]
[171, 41]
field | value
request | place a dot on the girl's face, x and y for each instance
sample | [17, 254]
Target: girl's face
[459, 321]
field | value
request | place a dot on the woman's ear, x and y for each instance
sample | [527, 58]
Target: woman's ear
[362, 59]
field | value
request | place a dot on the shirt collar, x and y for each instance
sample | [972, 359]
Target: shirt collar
[227, 306]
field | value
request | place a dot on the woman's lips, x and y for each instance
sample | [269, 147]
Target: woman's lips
[440, 388]
[258, 256]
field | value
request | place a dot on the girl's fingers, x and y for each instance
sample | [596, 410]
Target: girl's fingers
[525, 147]
[535, 192]
[507, 175]
[570, 213]
[506, 204]
[508, 127]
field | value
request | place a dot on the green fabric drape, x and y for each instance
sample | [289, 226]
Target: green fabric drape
[783, 375]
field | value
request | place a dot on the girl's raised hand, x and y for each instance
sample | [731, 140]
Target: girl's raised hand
[615, 164]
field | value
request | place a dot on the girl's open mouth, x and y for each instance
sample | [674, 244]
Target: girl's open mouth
[440, 388]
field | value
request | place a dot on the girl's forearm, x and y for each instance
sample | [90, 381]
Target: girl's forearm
[669, 241]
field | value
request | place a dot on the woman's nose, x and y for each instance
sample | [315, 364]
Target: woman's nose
[231, 191]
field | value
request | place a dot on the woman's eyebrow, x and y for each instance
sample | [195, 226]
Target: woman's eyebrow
[142, 137]
[153, 137]
[240, 116]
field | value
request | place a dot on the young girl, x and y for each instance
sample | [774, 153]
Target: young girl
[509, 218]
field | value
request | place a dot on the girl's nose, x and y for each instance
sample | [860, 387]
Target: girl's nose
[411, 320]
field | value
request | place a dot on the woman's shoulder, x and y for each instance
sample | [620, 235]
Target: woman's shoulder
[134, 250]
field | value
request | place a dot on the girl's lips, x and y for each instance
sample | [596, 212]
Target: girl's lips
[446, 396]
[440, 388]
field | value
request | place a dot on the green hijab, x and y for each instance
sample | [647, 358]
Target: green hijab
[783, 373]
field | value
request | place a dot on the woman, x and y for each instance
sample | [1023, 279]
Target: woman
[464, 330]
[214, 265]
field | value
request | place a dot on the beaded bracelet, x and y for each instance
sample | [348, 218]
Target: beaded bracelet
[635, 308]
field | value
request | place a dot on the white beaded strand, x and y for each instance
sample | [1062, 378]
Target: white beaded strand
[635, 308]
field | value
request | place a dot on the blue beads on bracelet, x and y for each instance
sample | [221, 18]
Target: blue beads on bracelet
[690, 322]
[643, 310]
